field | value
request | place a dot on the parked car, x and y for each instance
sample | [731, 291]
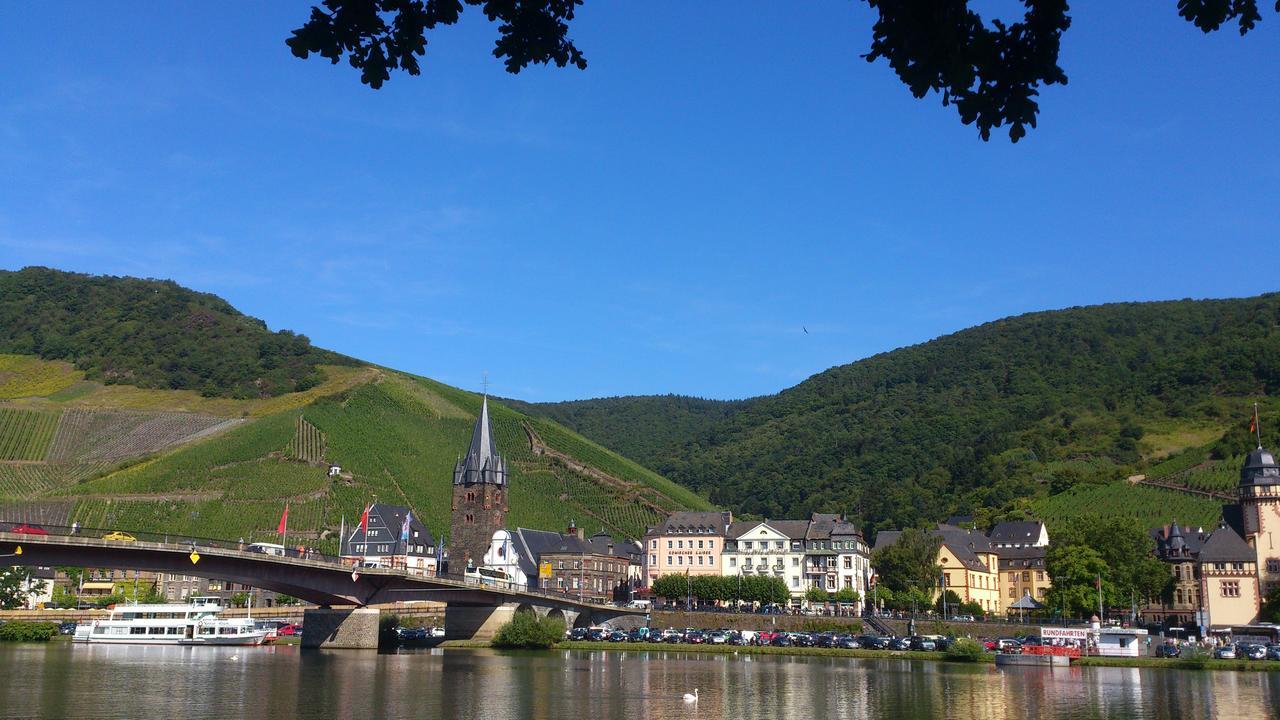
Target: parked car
[617, 636]
[900, 644]
[695, 637]
[67, 628]
[718, 637]
[436, 633]
[1273, 651]
[118, 536]
[847, 642]
[1008, 645]
[782, 640]
[873, 642]
[290, 629]
[1168, 650]
[578, 634]
[923, 643]
[1226, 652]
[1251, 651]
[673, 637]
[25, 529]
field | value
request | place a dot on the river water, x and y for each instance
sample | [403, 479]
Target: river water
[65, 681]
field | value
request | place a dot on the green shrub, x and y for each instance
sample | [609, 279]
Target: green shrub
[1193, 658]
[529, 632]
[965, 650]
[22, 631]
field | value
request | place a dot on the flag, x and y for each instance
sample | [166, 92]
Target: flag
[404, 529]
[1253, 424]
[284, 521]
[355, 574]
[364, 521]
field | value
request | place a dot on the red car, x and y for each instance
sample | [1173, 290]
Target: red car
[25, 529]
[290, 629]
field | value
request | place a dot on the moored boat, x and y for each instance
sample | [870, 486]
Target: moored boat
[193, 623]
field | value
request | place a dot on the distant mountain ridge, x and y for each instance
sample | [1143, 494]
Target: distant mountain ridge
[987, 417]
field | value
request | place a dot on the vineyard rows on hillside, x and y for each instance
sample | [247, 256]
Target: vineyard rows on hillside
[26, 480]
[25, 434]
[1146, 506]
[113, 435]
[308, 443]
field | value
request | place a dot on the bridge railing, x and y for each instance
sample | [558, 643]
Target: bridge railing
[300, 552]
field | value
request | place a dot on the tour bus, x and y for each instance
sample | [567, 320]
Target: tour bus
[487, 576]
[267, 549]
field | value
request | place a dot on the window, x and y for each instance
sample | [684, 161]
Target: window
[577, 564]
[1013, 577]
[848, 563]
[795, 581]
[795, 562]
[711, 560]
[560, 565]
[699, 544]
[746, 544]
[1273, 565]
[653, 544]
[1230, 588]
[699, 559]
[668, 544]
[1013, 593]
[653, 559]
[946, 579]
[679, 559]
[733, 562]
[1026, 576]
[1039, 576]
[711, 544]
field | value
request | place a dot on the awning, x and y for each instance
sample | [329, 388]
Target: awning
[98, 586]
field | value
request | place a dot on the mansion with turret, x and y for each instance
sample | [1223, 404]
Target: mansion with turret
[1222, 575]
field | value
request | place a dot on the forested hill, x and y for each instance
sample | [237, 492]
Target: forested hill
[152, 334]
[984, 418]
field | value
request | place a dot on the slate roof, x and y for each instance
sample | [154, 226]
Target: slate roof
[1260, 468]
[1028, 558]
[794, 529]
[532, 544]
[885, 538]
[1026, 602]
[482, 463]
[385, 523]
[694, 522]
[1225, 545]
[963, 544]
[1022, 531]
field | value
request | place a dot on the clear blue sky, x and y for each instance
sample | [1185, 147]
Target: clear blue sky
[722, 175]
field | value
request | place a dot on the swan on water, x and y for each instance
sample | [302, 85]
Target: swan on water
[693, 697]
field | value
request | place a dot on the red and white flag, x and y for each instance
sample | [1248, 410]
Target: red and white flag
[364, 521]
[355, 574]
[284, 521]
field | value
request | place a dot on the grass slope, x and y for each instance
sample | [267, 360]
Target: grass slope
[395, 436]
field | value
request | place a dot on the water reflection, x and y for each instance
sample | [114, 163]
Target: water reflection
[62, 681]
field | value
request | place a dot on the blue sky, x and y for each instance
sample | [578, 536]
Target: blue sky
[720, 177]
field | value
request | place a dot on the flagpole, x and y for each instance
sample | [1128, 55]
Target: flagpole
[1257, 425]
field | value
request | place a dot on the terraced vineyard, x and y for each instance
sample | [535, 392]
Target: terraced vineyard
[1147, 506]
[106, 435]
[395, 436]
[25, 434]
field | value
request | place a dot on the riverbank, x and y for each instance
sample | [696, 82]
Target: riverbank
[1179, 663]
[986, 659]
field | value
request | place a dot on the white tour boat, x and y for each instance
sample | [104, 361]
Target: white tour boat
[193, 623]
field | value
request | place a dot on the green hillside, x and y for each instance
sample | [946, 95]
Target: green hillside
[152, 334]
[75, 447]
[991, 417]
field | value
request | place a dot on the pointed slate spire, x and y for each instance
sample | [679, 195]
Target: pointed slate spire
[482, 463]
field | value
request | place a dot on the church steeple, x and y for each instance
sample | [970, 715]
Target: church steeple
[482, 463]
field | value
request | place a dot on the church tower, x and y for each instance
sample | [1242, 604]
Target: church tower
[479, 497]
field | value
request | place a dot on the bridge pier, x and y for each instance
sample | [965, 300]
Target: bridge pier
[345, 629]
[476, 622]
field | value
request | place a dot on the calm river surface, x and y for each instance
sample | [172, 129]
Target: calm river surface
[65, 681]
